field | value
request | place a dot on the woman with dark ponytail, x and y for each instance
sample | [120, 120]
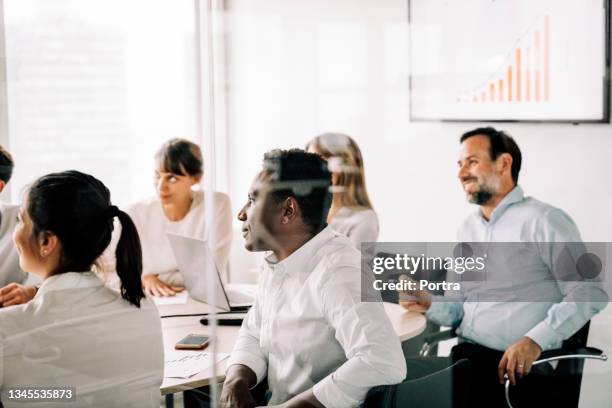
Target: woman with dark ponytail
[76, 331]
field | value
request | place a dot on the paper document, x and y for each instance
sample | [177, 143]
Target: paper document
[185, 364]
[178, 299]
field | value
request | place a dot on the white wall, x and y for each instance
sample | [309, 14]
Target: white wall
[296, 69]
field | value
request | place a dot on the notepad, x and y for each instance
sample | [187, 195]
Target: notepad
[178, 299]
[186, 364]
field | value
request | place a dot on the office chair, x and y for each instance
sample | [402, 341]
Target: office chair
[570, 358]
[412, 346]
[430, 391]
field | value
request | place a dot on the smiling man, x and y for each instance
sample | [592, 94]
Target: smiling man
[308, 331]
[506, 337]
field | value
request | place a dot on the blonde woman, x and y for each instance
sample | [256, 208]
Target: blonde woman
[351, 211]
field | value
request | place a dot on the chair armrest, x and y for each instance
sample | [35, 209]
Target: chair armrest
[585, 353]
[559, 354]
[432, 339]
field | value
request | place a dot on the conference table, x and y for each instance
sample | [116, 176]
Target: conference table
[406, 324]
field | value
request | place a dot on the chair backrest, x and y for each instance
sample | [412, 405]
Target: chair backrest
[447, 388]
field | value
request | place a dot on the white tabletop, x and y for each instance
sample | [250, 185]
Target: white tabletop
[406, 324]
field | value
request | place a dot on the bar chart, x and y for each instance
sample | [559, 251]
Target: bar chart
[533, 61]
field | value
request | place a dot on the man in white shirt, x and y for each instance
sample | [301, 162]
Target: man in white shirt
[12, 291]
[308, 331]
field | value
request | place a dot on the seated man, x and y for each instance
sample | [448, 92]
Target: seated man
[308, 330]
[506, 337]
[12, 292]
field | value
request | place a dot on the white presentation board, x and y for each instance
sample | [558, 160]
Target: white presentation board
[507, 60]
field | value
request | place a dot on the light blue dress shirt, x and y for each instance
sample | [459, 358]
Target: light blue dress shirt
[498, 325]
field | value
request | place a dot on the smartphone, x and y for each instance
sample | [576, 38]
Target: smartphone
[192, 342]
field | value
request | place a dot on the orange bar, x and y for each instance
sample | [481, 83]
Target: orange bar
[528, 79]
[537, 66]
[519, 85]
[501, 90]
[492, 92]
[546, 57]
[510, 83]
[483, 96]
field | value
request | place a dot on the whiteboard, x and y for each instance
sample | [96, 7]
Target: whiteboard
[509, 60]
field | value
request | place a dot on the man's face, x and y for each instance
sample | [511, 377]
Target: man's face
[478, 174]
[260, 216]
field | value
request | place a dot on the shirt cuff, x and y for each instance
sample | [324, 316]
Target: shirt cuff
[330, 395]
[545, 336]
[254, 362]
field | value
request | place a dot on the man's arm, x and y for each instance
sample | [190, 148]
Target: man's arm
[564, 318]
[373, 350]
[247, 364]
[581, 299]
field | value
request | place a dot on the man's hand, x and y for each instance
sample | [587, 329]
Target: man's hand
[16, 294]
[236, 388]
[517, 360]
[420, 300]
[153, 286]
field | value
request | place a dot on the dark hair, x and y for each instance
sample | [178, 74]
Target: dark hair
[6, 165]
[180, 156]
[76, 207]
[499, 142]
[305, 177]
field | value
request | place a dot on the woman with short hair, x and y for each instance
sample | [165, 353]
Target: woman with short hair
[182, 208]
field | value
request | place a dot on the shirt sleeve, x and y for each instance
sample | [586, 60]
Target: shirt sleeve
[560, 245]
[373, 350]
[247, 350]
[221, 233]
[445, 313]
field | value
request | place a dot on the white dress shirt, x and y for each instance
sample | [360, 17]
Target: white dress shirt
[548, 319]
[209, 218]
[308, 327]
[78, 333]
[359, 224]
[9, 259]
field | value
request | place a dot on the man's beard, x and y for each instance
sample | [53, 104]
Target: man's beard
[486, 190]
[480, 197]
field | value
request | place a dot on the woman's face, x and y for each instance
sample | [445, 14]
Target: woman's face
[29, 259]
[174, 188]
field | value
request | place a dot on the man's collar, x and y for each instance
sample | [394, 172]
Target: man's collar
[295, 262]
[514, 196]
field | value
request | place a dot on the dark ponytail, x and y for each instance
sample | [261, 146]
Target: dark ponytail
[129, 260]
[76, 207]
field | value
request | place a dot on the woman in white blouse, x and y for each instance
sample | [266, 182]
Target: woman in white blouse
[351, 212]
[76, 332]
[180, 207]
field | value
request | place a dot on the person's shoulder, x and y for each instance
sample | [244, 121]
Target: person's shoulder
[365, 213]
[16, 319]
[338, 252]
[538, 209]
[9, 209]
[143, 206]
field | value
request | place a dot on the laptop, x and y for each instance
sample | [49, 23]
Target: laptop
[199, 270]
